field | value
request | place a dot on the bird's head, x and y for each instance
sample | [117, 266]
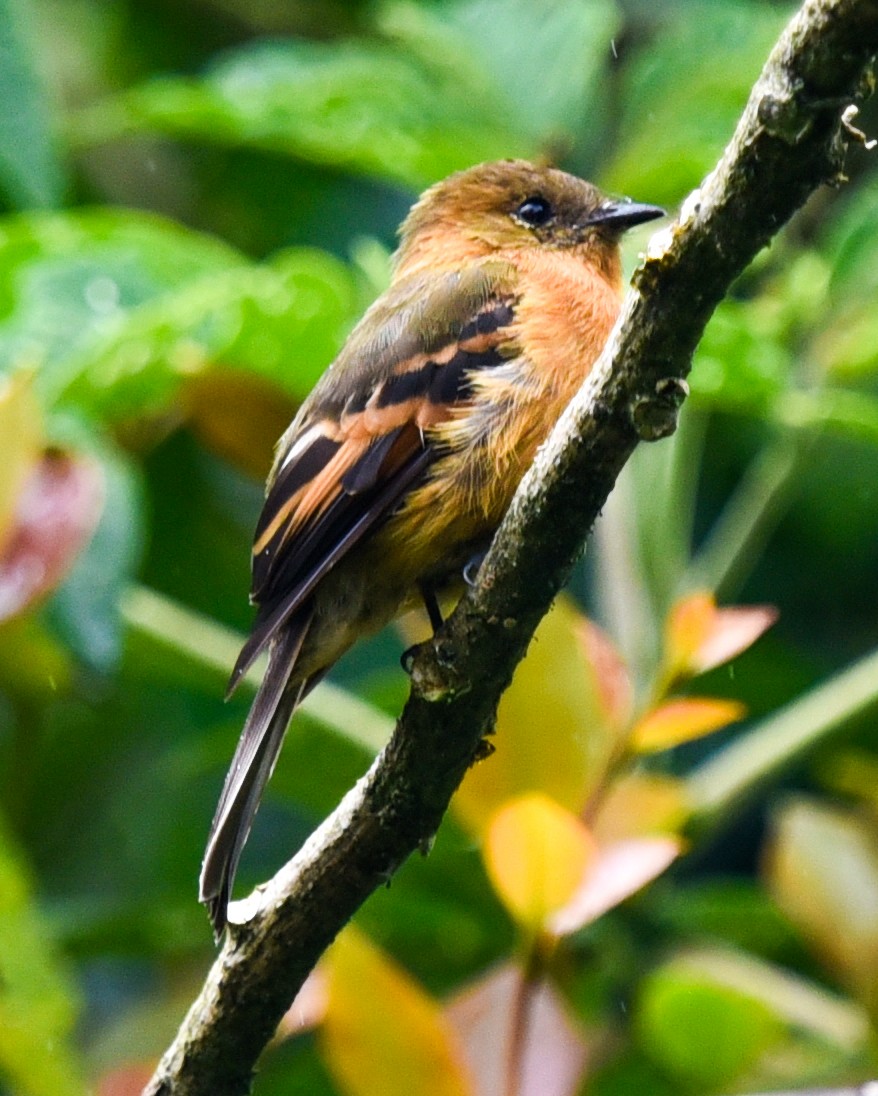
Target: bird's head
[513, 204]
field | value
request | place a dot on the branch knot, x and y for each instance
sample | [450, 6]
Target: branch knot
[654, 416]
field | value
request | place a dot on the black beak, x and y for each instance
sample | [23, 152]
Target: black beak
[620, 216]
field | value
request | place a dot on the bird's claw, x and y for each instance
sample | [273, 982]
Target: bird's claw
[471, 567]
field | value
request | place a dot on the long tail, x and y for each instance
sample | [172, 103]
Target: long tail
[251, 767]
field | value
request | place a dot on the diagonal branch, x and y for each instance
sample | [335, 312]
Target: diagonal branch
[790, 140]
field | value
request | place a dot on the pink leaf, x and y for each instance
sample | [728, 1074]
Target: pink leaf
[734, 630]
[619, 871]
[309, 1008]
[57, 512]
[612, 681]
[554, 1052]
[699, 636]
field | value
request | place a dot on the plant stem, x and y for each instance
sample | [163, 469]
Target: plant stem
[742, 530]
[522, 1002]
[718, 785]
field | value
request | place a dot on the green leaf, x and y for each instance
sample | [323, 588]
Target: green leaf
[847, 344]
[710, 1016]
[702, 1032]
[549, 58]
[851, 414]
[65, 278]
[31, 173]
[117, 309]
[849, 244]
[735, 910]
[284, 320]
[360, 106]
[741, 362]
[631, 1074]
[684, 95]
[37, 1004]
[85, 610]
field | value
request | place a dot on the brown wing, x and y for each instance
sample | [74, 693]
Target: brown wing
[358, 444]
[363, 437]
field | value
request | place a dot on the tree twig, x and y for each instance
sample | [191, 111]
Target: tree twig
[789, 141]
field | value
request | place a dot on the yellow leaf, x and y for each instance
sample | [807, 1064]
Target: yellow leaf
[537, 855]
[553, 732]
[683, 720]
[382, 1033]
[20, 443]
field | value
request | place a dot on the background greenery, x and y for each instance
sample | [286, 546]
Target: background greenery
[199, 199]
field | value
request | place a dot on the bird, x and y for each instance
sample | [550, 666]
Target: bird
[399, 466]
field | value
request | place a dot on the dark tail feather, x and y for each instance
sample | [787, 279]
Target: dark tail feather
[252, 765]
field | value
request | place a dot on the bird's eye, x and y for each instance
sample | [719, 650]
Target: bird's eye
[534, 211]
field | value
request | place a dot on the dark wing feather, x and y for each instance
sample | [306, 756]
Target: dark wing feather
[341, 527]
[359, 442]
[251, 768]
[366, 473]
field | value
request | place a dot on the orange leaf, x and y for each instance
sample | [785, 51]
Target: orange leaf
[537, 854]
[382, 1032]
[699, 636]
[688, 625]
[619, 871]
[683, 720]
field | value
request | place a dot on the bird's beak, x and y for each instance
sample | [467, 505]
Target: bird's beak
[620, 216]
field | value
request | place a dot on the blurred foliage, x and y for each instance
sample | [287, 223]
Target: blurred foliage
[198, 199]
